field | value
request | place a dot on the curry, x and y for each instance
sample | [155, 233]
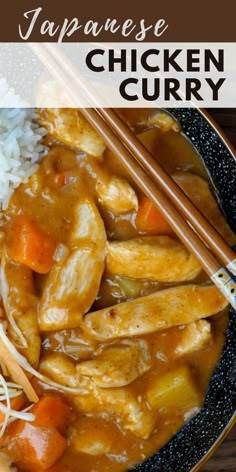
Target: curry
[105, 302]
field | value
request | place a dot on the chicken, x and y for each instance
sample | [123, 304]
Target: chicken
[197, 189]
[194, 336]
[157, 258]
[60, 368]
[117, 195]
[161, 119]
[20, 304]
[73, 284]
[70, 127]
[119, 364]
[130, 410]
[133, 413]
[113, 193]
[157, 311]
[71, 342]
